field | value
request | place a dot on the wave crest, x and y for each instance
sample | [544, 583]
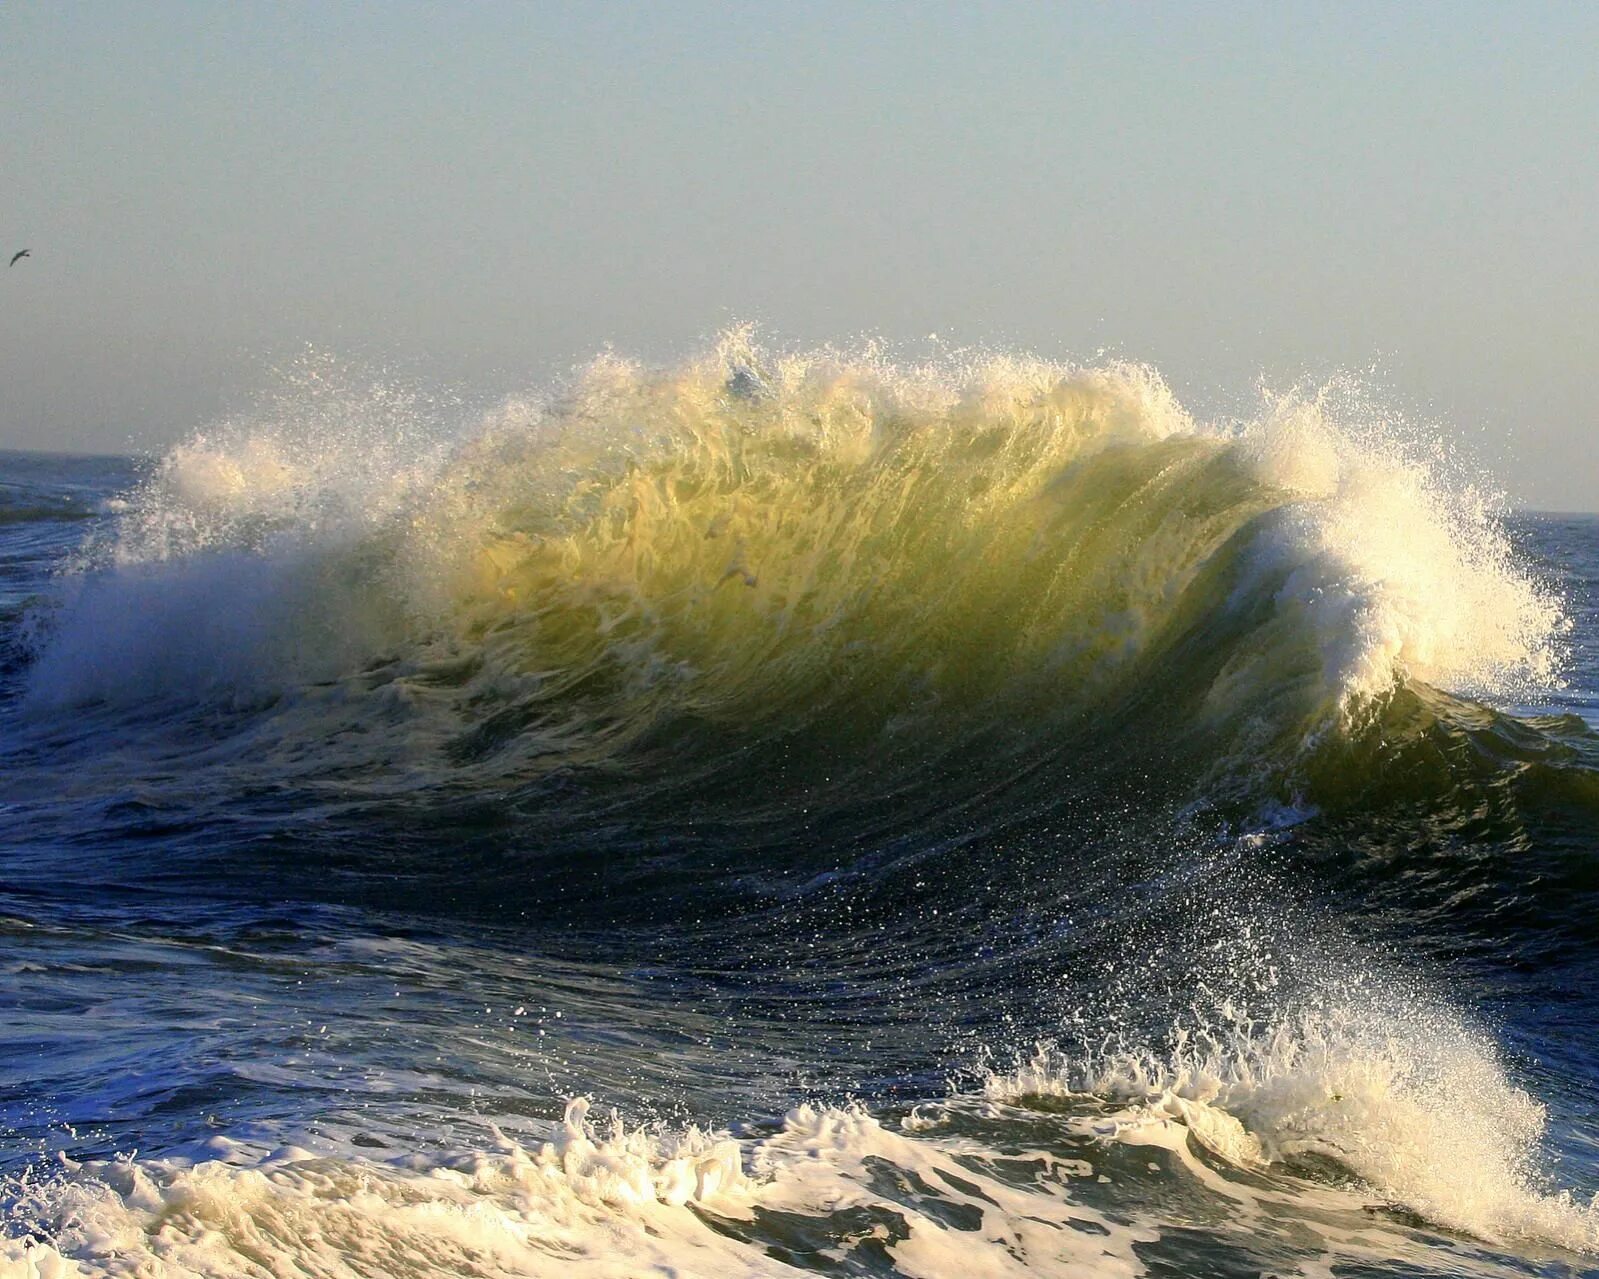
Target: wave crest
[757, 541]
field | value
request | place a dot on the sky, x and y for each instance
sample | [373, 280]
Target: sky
[486, 194]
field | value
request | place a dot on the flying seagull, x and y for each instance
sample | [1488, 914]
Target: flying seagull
[20, 253]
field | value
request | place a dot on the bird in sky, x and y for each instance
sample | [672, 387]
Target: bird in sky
[20, 253]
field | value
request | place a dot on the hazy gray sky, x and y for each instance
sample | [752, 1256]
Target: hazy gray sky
[485, 193]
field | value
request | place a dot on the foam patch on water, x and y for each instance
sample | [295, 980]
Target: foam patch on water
[967, 1188]
[615, 1204]
[1414, 1105]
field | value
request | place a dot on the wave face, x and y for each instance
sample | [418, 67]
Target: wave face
[750, 546]
[968, 817]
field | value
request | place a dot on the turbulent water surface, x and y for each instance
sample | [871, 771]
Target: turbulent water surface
[791, 814]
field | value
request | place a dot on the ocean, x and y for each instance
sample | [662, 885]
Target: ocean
[790, 813]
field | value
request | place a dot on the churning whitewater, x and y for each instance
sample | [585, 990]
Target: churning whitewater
[795, 812]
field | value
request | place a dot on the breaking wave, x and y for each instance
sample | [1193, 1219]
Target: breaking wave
[875, 711]
[752, 545]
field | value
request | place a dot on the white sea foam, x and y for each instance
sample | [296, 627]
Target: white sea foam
[1411, 1102]
[617, 1204]
[1397, 572]
[955, 1190]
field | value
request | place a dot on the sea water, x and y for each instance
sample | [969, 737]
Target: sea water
[789, 813]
